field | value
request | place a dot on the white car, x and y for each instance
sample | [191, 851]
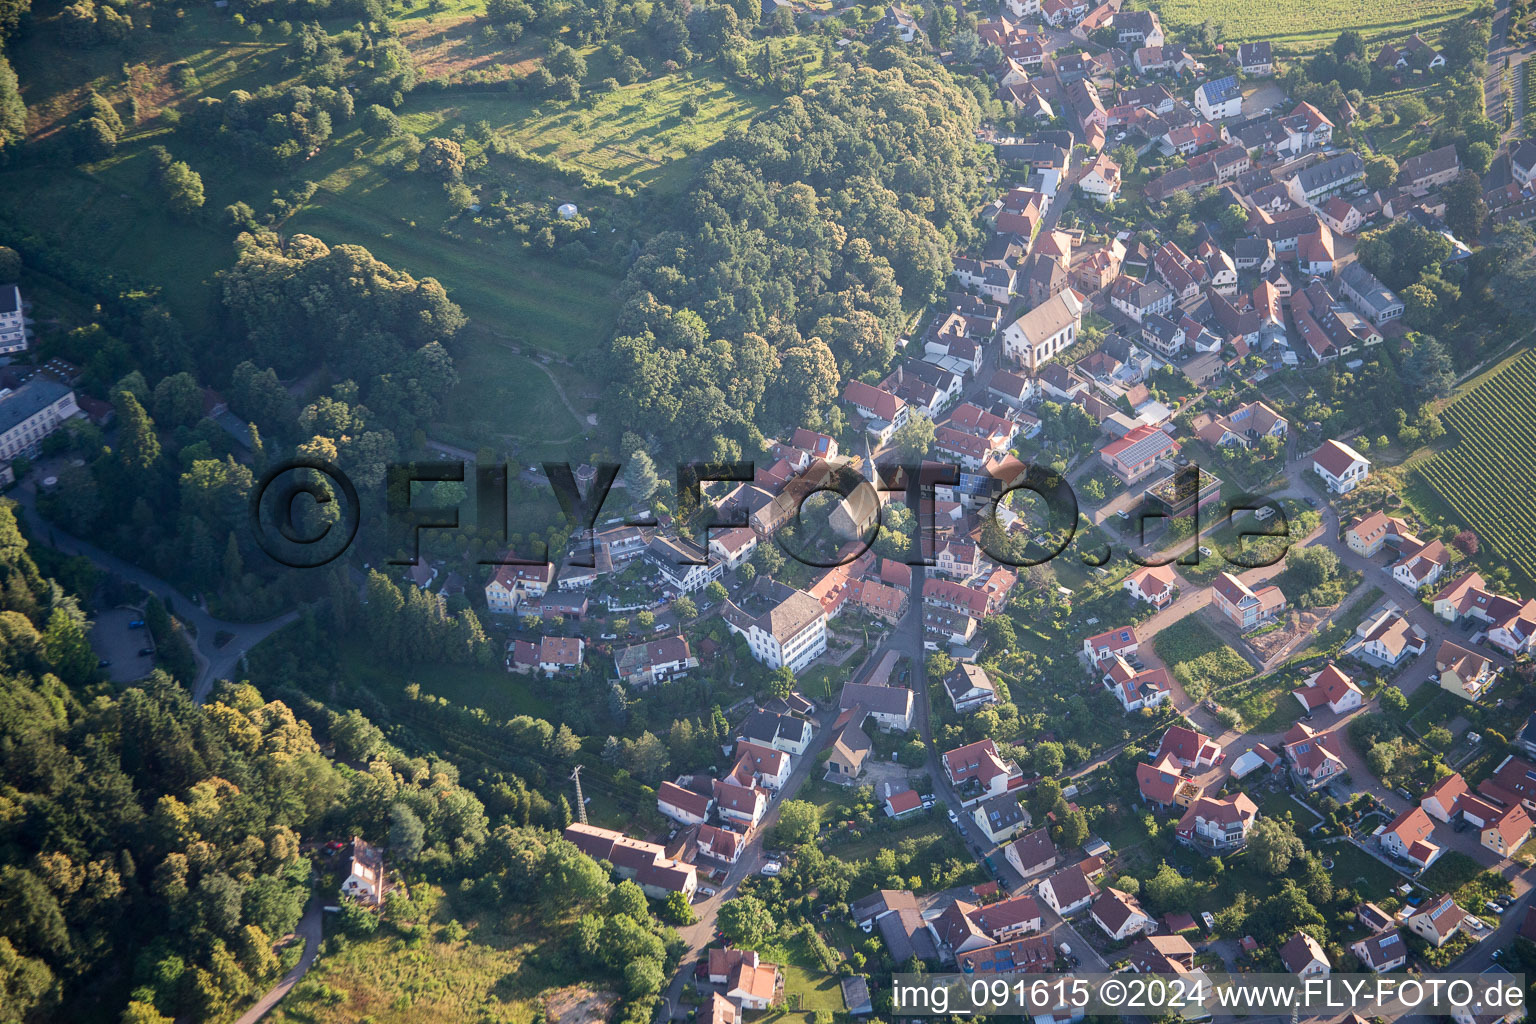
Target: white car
[953, 816]
[770, 869]
[610, 636]
[1122, 513]
[706, 891]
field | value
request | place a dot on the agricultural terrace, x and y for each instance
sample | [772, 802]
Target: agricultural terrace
[1306, 25]
[1484, 473]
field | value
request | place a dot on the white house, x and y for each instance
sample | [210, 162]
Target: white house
[1219, 99]
[1120, 915]
[969, 688]
[682, 564]
[792, 632]
[13, 322]
[365, 880]
[1328, 687]
[1304, 957]
[1044, 331]
[1067, 891]
[1154, 584]
[683, 805]
[1341, 467]
[1408, 838]
[769, 767]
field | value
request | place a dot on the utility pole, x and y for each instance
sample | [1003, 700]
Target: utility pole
[581, 805]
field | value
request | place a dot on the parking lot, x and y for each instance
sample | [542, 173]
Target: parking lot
[113, 641]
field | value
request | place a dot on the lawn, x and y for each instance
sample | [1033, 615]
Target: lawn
[1265, 702]
[1478, 474]
[504, 695]
[1358, 870]
[1198, 658]
[1309, 25]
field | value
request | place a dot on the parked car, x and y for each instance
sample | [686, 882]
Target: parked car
[610, 636]
[136, 624]
[953, 817]
[770, 869]
[706, 891]
[145, 652]
[1123, 514]
[104, 663]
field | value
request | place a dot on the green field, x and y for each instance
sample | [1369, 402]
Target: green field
[492, 974]
[1309, 24]
[522, 305]
[1482, 475]
[1198, 658]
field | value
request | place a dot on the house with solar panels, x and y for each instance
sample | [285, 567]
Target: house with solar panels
[1219, 99]
[1105, 646]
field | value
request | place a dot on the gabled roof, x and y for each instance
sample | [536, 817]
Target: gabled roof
[1300, 950]
[1070, 885]
[1336, 457]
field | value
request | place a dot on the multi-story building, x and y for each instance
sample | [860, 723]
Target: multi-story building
[13, 323]
[32, 412]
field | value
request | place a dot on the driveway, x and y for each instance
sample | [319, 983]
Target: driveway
[214, 662]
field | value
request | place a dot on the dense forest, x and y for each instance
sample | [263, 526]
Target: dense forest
[796, 256]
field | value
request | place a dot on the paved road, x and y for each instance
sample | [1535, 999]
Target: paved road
[214, 662]
[308, 930]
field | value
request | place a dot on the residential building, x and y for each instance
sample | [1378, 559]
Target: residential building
[511, 584]
[1067, 891]
[745, 980]
[1407, 838]
[899, 23]
[1219, 99]
[1001, 817]
[1375, 301]
[1465, 673]
[1190, 748]
[1429, 170]
[1136, 690]
[720, 843]
[978, 771]
[647, 864]
[770, 767]
[1420, 564]
[1511, 623]
[1218, 825]
[1385, 638]
[1101, 179]
[734, 546]
[1329, 688]
[884, 412]
[1134, 456]
[1256, 59]
[1032, 853]
[682, 564]
[739, 799]
[791, 633]
[1157, 585]
[1507, 831]
[1104, 646]
[1441, 800]
[1437, 920]
[969, 688]
[366, 881]
[1309, 753]
[654, 661]
[903, 804]
[1245, 425]
[850, 748]
[1304, 957]
[1385, 951]
[1341, 467]
[1009, 918]
[1164, 783]
[1366, 535]
[1244, 607]
[777, 730]
[1120, 915]
[13, 321]
[1045, 330]
[889, 706]
[1136, 298]
[683, 805]
[1325, 178]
